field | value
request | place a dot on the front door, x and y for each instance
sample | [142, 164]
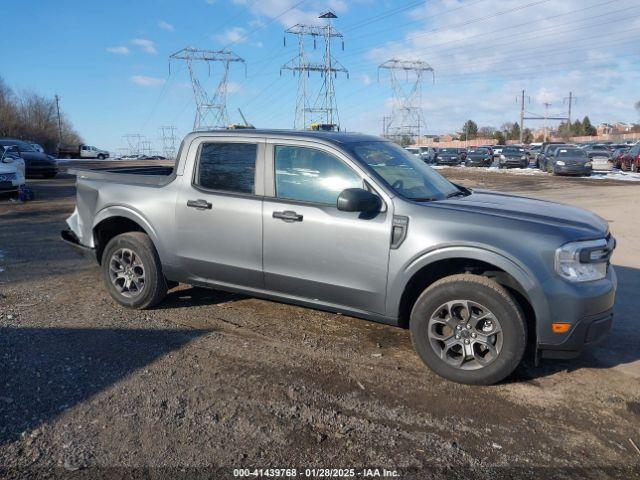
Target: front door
[219, 215]
[311, 249]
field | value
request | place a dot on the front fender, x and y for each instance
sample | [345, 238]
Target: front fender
[530, 287]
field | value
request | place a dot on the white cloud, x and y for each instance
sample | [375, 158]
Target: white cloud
[233, 87]
[166, 26]
[147, 46]
[118, 50]
[145, 81]
[484, 58]
[366, 79]
[232, 35]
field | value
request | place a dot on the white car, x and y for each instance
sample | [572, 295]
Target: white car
[11, 170]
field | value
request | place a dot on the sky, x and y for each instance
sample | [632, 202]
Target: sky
[108, 61]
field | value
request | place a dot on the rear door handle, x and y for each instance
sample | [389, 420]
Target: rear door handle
[288, 216]
[199, 204]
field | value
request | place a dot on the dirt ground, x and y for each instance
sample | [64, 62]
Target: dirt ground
[210, 381]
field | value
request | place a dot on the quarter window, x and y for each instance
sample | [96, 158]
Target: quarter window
[229, 167]
[311, 175]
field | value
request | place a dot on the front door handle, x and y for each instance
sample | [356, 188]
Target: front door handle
[288, 216]
[199, 204]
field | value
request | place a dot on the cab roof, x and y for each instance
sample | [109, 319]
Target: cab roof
[340, 138]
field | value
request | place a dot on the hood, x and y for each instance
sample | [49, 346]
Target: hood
[583, 223]
[518, 155]
[478, 155]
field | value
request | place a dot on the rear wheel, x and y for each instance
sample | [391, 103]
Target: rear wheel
[101, 157]
[467, 328]
[133, 272]
[634, 167]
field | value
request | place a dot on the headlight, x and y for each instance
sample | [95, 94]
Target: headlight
[523, 157]
[583, 261]
[560, 162]
[502, 158]
[588, 164]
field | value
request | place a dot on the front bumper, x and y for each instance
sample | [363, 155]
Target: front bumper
[572, 170]
[72, 240]
[514, 162]
[587, 307]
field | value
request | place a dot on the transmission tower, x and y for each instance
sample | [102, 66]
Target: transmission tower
[134, 143]
[168, 141]
[321, 107]
[211, 111]
[406, 78]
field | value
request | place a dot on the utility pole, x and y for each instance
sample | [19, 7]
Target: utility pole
[521, 99]
[546, 115]
[571, 99]
[324, 109]
[59, 122]
[211, 111]
[406, 78]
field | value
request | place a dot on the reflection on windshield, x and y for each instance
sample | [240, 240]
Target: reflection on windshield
[406, 174]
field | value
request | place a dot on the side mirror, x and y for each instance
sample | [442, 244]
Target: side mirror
[358, 200]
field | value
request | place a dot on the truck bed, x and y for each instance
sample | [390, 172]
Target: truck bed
[148, 175]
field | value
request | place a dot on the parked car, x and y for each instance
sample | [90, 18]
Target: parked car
[37, 163]
[354, 224]
[514, 156]
[616, 156]
[546, 152]
[601, 159]
[12, 170]
[37, 147]
[479, 157]
[81, 151]
[630, 161]
[569, 161]
[450, 156]
[534, 151]
[414, 151]
[429, 154]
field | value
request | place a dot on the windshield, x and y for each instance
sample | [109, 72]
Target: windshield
[572, 152]
[449, 150]
[405, 174]
[23, 146]
[512, 150]
[478, 151]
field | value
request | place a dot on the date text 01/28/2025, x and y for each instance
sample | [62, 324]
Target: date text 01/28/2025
[314, 473]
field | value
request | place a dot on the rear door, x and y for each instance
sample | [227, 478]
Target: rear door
[311, 249]
[219, 213]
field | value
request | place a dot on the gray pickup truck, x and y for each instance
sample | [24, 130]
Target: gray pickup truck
[354, 224]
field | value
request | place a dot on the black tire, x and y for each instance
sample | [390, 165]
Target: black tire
[101, 157]
[484, 291]
[155, 285]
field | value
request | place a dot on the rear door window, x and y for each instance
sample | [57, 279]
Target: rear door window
[227, 167]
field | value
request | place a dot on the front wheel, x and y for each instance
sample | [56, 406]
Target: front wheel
[133, 272]
[634, 167]
[467, 328]
[101, 157]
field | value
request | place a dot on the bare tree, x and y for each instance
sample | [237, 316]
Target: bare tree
[33, 117]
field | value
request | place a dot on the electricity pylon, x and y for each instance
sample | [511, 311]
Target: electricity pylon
[406, 78]
[134, 142]
[211, 111]
[323, 109]
[168, 141]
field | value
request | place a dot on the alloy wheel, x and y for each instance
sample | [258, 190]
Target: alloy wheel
[126, 271]
[465, 334]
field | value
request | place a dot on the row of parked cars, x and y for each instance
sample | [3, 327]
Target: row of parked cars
[558, 158]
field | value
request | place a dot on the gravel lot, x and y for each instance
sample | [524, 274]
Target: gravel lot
[211, 381]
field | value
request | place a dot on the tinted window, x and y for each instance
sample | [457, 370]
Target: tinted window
[571, 152]
[311, 175]
[229, 167]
